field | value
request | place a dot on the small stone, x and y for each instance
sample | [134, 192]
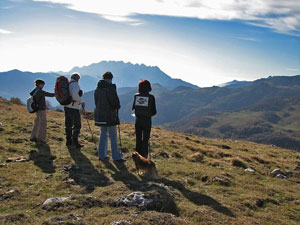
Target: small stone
[1, 124]
[56, 199]
[121, 222]
[249, 170]
[275, 172]
[280, 176]
[2, 165]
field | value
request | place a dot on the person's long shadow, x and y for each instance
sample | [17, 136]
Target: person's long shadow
[197, 198]
[43, 158]
[122, 174]
[85, 173]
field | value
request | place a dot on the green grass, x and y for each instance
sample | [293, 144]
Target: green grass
[209, 184]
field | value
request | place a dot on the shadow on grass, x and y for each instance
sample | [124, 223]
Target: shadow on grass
[43, 158]
[121, 173]
[197, 198]
[85, 173]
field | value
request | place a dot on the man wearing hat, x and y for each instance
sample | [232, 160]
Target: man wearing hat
[39, 129]
[72, 114]
[106, 116]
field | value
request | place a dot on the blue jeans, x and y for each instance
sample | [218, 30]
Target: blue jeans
[102, 148]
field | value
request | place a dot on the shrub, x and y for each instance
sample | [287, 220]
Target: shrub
[16, 101]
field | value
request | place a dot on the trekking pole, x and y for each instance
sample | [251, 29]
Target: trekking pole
[88, 124]
[149, 149]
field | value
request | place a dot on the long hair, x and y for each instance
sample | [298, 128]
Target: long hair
[144, 86]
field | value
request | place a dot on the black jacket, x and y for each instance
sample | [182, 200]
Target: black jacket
[40, 99]
[107, 104]
[144, 105]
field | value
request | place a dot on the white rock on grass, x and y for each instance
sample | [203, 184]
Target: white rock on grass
[280, 176]
[249, 170]
[276, 172]
[121, 222]
[135, 199]
[57, 199]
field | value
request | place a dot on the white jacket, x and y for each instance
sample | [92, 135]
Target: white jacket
[74, 90]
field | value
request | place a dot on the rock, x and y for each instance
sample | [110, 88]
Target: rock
[17, 159]
[162, 186]
[121, 222]
[156, 200]
[134, 199]
[222, 181]
[280, 176]
[298, 156]
[57, 138]
[56, 199]
[276, 172]
[249, 170]
[164, 155]
[2, 165]
[1, 124]
[9, 194]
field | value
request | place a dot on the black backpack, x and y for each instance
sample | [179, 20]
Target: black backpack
[62, 92]
[142, 105]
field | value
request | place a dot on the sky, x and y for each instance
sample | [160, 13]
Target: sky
[204, 42]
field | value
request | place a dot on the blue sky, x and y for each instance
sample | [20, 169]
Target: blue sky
[205, 42]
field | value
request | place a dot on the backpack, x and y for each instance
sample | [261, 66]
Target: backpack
[142, 105]
[32, 106]
[62, 92]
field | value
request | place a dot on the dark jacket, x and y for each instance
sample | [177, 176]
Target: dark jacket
[107, 104]
[144, 105]
[40, 99]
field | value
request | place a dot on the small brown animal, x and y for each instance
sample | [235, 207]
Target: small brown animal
[144, 166]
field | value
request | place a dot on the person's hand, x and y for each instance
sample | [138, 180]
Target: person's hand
[82, 104]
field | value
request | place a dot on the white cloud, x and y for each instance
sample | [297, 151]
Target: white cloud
[2, 31]
[281, 16]
[293, 70]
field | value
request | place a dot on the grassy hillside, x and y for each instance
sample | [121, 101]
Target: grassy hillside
[202, 181]
[274, 121]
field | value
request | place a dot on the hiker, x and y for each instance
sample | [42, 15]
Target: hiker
[144, 108]
[39, 130]
[72, 115]
[106, 116]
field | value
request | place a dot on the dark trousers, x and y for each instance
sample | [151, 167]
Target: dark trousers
[142, 132]
[72, 123]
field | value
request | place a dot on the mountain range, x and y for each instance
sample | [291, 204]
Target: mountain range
[16, 83]
[265, 110]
